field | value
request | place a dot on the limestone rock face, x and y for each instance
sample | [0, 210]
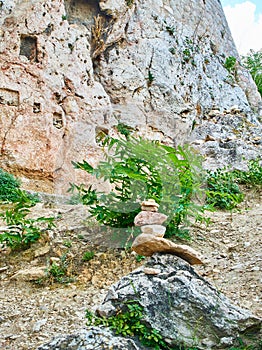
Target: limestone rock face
[184, 307]
[70, 70]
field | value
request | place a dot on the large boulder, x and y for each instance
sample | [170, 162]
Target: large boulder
[184, 307]
[176, 301]
[90, 339]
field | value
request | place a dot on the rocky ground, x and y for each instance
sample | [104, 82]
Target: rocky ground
[34, 307]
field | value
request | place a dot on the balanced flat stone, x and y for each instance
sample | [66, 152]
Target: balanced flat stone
[147, 245]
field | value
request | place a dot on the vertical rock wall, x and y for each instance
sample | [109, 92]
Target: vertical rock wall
[71, 68]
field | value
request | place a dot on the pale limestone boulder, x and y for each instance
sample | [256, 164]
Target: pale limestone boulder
[147, 245]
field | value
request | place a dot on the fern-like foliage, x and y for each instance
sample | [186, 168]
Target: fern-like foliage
[139, 169]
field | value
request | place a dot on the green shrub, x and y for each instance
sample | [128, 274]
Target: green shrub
[130, 323]
[253, 62]
[253, 176]
[223, 189]
[138, 170]
[8, 187]
[22, 231]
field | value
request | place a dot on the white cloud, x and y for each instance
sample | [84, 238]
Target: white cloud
[246, 28]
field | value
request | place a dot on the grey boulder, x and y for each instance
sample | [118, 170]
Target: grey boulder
[182, 306]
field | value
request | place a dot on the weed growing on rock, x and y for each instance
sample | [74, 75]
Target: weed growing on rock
[8, 187]
[130, 323]
[230, 64]
[67, 243]
[139, 258]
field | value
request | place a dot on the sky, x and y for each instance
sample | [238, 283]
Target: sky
[245, 21]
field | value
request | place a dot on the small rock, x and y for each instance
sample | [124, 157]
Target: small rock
[209, 138]
[156, 230]
[4, 268]
[42, 251]
[237, 267]
[31, 274]
[149, 218]
[149, 205]
[37, 326]
[256, 268]
[54, 259]
[151, 271]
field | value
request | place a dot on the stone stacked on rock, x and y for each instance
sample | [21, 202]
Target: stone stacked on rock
[151, 239]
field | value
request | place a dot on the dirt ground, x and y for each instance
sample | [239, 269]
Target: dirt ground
[32, 312]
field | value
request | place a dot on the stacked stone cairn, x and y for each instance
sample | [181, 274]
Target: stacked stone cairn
[151, 239]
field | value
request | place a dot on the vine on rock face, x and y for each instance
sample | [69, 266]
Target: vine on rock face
[139, 169]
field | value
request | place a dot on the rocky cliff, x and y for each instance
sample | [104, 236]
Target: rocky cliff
[71, 69]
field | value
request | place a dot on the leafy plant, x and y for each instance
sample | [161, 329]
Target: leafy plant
[61, 272]
[257, 344]
[67, 243]
[223, 189]
[88, 256]
[170, 30]
[124, 129]
[139, 258]
[8, 186]
[230, 64]
[253, 176]
[253, 62]
[150, 78]
[140, 169]
[22, 231]
[10, 189]
[130, 323]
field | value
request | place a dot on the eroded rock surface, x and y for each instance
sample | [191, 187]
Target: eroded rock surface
[73, 69]
[92, 338]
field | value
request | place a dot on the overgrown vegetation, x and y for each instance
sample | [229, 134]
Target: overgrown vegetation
[223, 189]
[140, 169]
[21, 230]
[130, 323]
[253, 62]
[10, 189]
